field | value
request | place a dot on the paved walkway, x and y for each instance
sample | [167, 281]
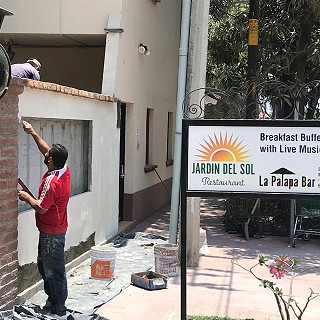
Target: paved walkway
[217, 287]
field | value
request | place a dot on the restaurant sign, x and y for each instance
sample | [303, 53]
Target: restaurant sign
[253, 156]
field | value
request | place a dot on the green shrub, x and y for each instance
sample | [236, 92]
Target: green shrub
[272, 217]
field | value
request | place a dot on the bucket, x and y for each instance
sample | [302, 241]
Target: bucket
[102, 262]
[166, 259]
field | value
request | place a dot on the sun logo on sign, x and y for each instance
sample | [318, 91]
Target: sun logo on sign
[223, 149]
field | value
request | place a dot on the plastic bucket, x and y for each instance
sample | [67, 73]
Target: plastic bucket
[102, 262]
[166, 259]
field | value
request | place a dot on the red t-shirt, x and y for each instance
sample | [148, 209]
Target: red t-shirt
[54, 194]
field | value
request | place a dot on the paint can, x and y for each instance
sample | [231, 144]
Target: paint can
[102, 262]
[166, 259]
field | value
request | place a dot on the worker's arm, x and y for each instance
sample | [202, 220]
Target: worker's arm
[25, 196]
[42, 145]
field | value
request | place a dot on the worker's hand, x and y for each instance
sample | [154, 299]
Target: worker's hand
[27, 127]
[23, 195]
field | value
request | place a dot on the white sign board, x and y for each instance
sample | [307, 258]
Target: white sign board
[254, 159]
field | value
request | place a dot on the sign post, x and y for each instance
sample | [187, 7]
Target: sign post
[253, 39]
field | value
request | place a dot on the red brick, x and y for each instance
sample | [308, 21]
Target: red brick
[3, 270]
[13, 246]
[16, 89]
[9, 227]
[9, 278]
[8, 215]
[4, 99]
[8, 292]
[9, 130]
[9, 173]
[3, 207]
[8, 141]
[4, 162]
[15, 253]
[13, 102]
[8, 184]
[8, 191]
[9, 258]
[11, 151]
[3, 250]
[7, 238]
[14, 162]
[3, 120]
[8, 194]
[3, 229]
[4, 184]
[8, 162]
[13, 204]
[11, 108]
[8, 249]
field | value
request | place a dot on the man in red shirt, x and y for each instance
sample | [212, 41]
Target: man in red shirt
[52, 222]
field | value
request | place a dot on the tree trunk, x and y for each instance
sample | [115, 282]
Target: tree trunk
[297, 68]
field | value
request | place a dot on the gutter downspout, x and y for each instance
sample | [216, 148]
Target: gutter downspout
[182, 76]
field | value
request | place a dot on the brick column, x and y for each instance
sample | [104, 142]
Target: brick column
[8, 194]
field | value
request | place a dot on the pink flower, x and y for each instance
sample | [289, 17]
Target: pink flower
[277, 272]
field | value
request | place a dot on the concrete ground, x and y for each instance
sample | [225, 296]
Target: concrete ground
[219, 286]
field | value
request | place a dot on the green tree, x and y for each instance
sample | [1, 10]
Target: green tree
[289, 48]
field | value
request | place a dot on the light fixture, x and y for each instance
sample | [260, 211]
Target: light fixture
[144, 50]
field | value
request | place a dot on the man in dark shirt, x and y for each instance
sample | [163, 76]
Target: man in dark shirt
[29, 70]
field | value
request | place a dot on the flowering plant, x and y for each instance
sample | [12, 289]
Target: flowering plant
[281, 266]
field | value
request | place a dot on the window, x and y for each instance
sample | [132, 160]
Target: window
[169, 160]
[149, 166]
[75, 135]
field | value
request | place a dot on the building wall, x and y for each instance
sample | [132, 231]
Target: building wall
[77, 51]
[147, 82]
[8, 195]
[69, 46]
[58, 16]
[141, 81]
[93, 213]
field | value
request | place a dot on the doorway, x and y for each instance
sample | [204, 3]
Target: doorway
[122, 123]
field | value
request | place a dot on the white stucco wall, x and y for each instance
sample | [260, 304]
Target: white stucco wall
[69, 46]
[148, 81]
[58, 16]
[93, 211]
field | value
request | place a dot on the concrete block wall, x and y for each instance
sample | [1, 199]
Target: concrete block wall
[8, 194]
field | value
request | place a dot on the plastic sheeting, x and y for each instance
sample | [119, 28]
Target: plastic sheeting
[134, 253]
[23, 312]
